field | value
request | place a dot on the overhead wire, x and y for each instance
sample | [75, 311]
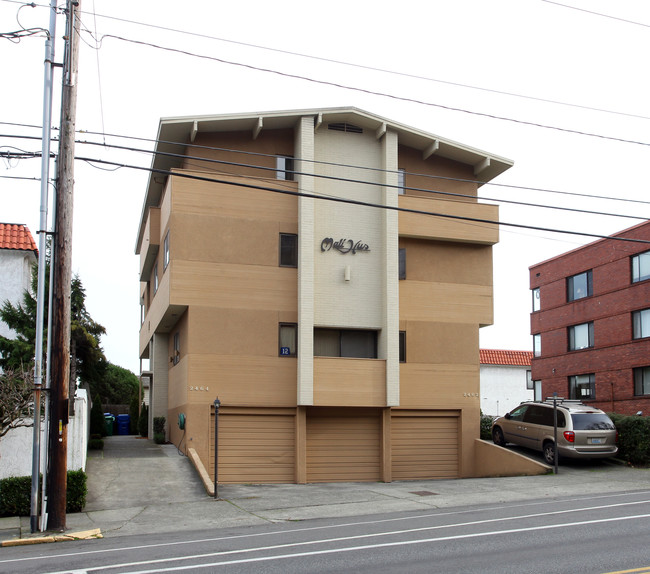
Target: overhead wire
[369, 68]
[442, 195]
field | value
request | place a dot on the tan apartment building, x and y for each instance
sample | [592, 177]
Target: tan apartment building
[324, 274]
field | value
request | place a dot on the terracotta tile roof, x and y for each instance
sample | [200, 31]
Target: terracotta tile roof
[499, 357]
[16, 236]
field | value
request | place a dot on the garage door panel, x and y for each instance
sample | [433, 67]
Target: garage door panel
[424, 447]
[255, 448]
[343, 445]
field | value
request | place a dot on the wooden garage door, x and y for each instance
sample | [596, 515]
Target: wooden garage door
[424, 446]
[255, 447]
[343, 445]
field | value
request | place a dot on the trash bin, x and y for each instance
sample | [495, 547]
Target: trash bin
[123, 424]
[109, 419]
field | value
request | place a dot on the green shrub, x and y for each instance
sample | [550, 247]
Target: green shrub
[95, 444]
[76, 491]
[97, 421]
[633, 438]
[159, 438]
[159, 425]
[15, 494]
[143, 421]
[486, 427]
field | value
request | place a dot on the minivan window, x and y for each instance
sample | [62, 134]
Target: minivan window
[518, 414]
[543, 416]
[591, 421]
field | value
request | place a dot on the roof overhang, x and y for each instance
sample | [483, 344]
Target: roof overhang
[176, 133]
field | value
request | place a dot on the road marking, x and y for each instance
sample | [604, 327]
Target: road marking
[355, 548]
[348, 538]
[643, 570]
[357, 523]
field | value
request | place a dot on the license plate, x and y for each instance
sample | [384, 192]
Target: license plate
[597, 440]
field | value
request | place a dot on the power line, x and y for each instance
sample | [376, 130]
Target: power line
[371, 68]
[373, 92]
[597, 14]
[354, 201]
[444, 195]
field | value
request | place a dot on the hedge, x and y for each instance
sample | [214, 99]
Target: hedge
[16, 491]
[633, 438]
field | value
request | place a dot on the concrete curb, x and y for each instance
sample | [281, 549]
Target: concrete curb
[83, 535]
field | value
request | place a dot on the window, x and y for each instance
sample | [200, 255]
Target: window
[538, 390]
[581, 336]
[537, 345]
[641, 324]
[155, 278]
[402, 346]
[530, 384]
[288, 250]
[582, 387]
[401, 181]
[288, 339]
[402, 263]
[642, 381]
[166, 251]
[345, 343]
[579, 286]
[641, 267]
[176, 357]
[143, 311]
[536, 302]
[284, 167]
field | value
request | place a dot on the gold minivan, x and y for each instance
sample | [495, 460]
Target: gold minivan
[582, 431]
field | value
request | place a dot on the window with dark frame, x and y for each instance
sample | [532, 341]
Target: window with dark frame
[288, 250]
[402, 346]
[284, 169]
[166, 251]
[155, 278]
[581, 336]
[176, 357]
[288, 339]
[582, 387]
[641, 381]
[402, 263]
[357, 343]
[640, 267]
[401, 181]
[579, 286]
[641, 324]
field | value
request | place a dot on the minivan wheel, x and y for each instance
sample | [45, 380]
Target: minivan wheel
[549, 452]
[497, 436]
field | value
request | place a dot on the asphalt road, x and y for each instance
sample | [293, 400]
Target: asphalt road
[590, 534]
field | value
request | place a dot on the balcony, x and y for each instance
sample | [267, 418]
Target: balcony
[150, 243]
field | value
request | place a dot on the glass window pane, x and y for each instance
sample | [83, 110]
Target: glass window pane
[536, 301]
[537, 345]
[641, 267]
[288, 250]
[326, 343]
[288, 339]
[402, 263]
[360, 344]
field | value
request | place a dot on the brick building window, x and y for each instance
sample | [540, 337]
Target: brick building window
[641, 324]
[537, 345]
[579, 286]
[642, 381]
[582, 387]
[581, 336]
[536, 301]
[641, 267]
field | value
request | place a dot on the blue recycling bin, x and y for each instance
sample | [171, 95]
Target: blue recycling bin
[123, 424]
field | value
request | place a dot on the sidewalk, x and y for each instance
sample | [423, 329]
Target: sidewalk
[136, 486]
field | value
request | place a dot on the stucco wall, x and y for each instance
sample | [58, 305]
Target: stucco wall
[503, 388]
[15, 278]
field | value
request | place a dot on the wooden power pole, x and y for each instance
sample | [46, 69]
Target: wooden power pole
[62, 262]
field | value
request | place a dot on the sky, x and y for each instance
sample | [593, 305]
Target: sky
[559, 88]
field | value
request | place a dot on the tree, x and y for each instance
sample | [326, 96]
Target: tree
[16, 400]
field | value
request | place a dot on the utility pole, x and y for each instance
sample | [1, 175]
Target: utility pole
[40, 298]
[62, 261]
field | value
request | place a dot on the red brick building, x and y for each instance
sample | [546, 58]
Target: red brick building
[591, 323]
